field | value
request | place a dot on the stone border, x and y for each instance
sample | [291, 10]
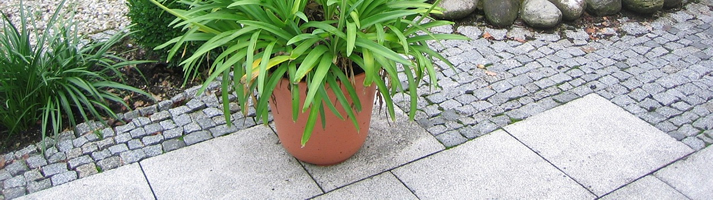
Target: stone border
[92, 148]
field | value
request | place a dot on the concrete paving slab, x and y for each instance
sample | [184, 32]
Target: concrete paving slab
[125, 182]
[389, 145]
[247, 164]
[692, 176]
[382, 186]
[597, 143]
[645, 188]
[494, 166]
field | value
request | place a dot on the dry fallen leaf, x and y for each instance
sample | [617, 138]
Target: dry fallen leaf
[590, 30]
[138, 103]
[157, 97]
[490, 73]
[588, 49]
[487, 35]
[481, 66]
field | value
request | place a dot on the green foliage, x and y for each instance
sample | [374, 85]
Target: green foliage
[316, 41]
[58, 78]
[151, 26]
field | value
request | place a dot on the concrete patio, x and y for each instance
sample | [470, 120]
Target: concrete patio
[588, 148]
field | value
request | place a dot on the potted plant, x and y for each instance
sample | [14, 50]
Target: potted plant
[314, 59]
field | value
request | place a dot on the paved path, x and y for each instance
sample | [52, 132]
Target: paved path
[584, 117]
[602, 151]
[660, 71]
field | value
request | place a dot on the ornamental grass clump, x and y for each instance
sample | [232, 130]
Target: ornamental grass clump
[319, 42]
[57, 79]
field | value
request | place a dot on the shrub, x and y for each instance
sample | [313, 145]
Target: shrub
[57, 78]
[151, 26]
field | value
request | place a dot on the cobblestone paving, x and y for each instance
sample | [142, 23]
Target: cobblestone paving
[661, 72]
[91, 147]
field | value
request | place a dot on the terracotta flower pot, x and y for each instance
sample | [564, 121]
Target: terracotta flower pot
[333, 144]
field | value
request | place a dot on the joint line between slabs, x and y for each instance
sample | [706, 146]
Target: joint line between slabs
[652, 173]
[404, 184]
[553, 165]
[310, 175]
[147, 180]
[669, 185]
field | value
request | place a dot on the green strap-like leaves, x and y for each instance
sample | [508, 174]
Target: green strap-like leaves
[343, 99]
[249, 58]
[309, 62]
[263, 67]
[381, 50]
[351, 37]
[311, 120]
[402, 38]
[318, 80]
[262, 41]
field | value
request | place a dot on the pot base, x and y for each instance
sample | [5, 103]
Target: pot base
[334, 143]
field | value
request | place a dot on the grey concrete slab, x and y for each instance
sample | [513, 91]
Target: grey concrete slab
[244, 165]
[389, 145]
[645, 188]
[494, 166]
[125, 182]
[692, 176]
[597, 143]
[382, 186]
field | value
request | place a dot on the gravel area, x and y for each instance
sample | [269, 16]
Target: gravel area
[93, 17]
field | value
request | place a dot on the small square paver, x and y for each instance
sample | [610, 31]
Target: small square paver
[598, 144]
[692, 176]
[126, 182]
[246, 165]
[493, 166]
[389, 144]
[382, 186]
[648, 187]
